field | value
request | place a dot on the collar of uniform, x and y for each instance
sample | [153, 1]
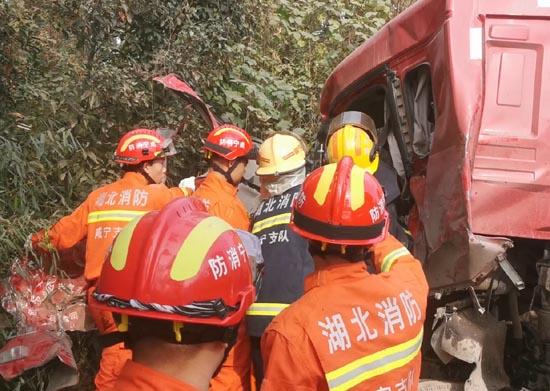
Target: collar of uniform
[330, 274]
[217, 181]
[135, 177]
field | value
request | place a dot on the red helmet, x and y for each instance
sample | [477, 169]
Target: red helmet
[140, 145]
[229, 142]
[178, 264]
[341, 204]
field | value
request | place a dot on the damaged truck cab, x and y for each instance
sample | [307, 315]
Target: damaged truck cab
[457, 92]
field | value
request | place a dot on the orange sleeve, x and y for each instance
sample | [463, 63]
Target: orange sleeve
[70, 229]
[163, 195]
[232, 215]
[289, 366]
[390, 256]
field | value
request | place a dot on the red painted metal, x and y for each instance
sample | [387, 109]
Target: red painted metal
[488, 173]
[511, 168]
[172, 82]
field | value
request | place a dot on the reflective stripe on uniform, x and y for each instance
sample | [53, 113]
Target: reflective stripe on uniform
[114, 215]
[272, 221]
[389, 259]
[266, 309]
[375, 364]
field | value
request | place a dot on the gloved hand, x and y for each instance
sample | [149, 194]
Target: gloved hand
[38, 241]
[188, 183]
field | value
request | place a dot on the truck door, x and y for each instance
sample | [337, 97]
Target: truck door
[511, 165]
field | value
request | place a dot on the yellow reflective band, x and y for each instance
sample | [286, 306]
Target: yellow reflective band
[137, 137]
[323, 185]
[266, 309]
[357, 187]
[390, 259]
[192, 252]
[122, 244]
[375, 364]
[223, 130]
[114, 216]
[283, 218]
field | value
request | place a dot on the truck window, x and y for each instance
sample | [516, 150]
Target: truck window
[420, 109]
[371, 102]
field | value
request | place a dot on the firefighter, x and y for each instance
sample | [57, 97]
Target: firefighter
[350, 328]
[281, 169]
[227, 149]
[180, 282]
[352, 134]
[143, 155]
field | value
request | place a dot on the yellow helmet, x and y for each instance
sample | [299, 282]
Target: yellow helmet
[281, 153]
[352, 134]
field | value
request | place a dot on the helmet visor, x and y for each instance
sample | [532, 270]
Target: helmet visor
[168, 147]
[253, 153]
[354, 118]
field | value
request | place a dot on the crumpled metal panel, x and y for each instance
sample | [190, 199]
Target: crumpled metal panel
[460, 263]
[172, 82]
[444, 210]
[247, 194]
[476, 339]
[443, 206]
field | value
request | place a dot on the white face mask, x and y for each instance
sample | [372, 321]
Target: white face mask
[282, 183]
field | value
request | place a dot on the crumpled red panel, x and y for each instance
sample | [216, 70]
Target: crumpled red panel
[44, 306]
[34, 350]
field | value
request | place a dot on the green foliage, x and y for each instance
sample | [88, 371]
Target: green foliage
[76, 74]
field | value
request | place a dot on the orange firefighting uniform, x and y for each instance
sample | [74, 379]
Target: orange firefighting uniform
[221, 200]
[99, 219]
[135, 376]
[352, 329]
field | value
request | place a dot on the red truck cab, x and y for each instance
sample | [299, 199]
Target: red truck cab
[457, 91]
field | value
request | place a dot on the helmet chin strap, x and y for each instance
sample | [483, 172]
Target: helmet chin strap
[227, 173]
[230, 338]
[147, 176]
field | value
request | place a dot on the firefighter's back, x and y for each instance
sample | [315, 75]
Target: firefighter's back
[352, 329]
